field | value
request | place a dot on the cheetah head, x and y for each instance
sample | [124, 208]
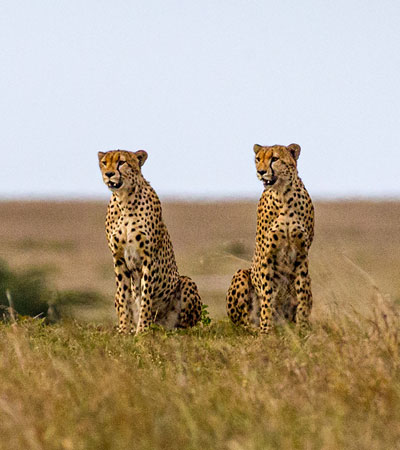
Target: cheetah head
[120, 168]
[276, 164]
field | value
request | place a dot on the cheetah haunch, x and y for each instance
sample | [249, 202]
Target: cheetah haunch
[149, 287]
[277, 286]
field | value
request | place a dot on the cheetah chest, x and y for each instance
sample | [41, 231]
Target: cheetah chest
[132, 257]
[127, 245]
[279, 245]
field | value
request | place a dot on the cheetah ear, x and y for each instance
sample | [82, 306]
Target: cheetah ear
[294, 150]
[257, 148]
[141, 155]
[100, 155]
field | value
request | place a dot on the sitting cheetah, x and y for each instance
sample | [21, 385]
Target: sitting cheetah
[277, 286]
[149, 287]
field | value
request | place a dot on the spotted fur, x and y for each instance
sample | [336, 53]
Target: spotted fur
[277, 286]
[149, 287]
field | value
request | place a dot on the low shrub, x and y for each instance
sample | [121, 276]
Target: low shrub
[29, 293]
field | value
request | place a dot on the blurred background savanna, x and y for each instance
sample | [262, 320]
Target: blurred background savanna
[197, 84]
[62, 245]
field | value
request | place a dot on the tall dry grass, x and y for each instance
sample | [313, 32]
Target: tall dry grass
[74, 386]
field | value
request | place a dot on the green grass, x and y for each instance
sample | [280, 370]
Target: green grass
[75, 386]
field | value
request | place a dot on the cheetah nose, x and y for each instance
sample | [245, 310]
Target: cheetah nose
[262, 172]
[110, 174]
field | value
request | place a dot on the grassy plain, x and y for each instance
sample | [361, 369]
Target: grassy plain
[78, 385]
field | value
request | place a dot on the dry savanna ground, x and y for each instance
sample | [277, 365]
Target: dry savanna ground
[78, 385]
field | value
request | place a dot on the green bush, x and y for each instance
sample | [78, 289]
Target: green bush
[27, 290]
[29, 293]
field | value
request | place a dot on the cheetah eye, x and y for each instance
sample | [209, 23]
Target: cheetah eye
[120, 163]
[104, 163]
[274, 158]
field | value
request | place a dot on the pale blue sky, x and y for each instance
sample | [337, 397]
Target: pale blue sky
[196, 84]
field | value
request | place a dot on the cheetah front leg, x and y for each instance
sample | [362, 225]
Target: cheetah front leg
[267, 307]
[266, 290]
[135, 286]
[303, 293]
[123, 295]
[146, 303]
